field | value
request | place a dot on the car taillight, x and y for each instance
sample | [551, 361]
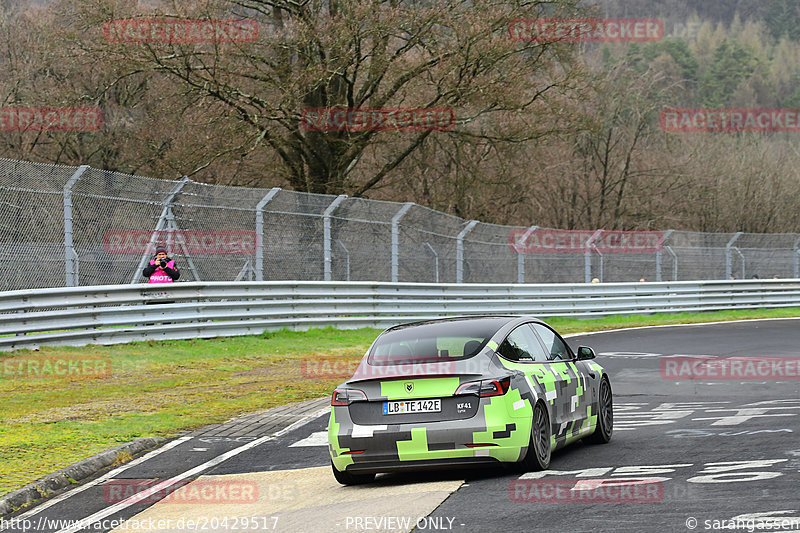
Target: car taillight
[345, 396]
[488, 387]
[495, 387]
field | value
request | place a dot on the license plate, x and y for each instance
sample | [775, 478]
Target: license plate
[412, 406]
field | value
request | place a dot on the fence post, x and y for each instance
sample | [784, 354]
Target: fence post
[326, 231]
[435, 261]
[674, 262]
[166, 214]
[460, 250]
[260, 232]
[797, 258]
[658, 253]
[587, 256]
[70, 257]
[728, 260]
[396, 240]
[346, 258]
[521, 255]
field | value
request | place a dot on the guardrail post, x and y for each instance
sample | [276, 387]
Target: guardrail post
[587, 256]
[326, 231]
[260, 232]
[728, 260]
[70, 257]
[658, 253]
[521, 255]
[166, 214]
[460, 250]
[435, 261]
[396, 240]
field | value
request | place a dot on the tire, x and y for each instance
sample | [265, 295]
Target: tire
[605, 415]
[346, 478]
[538, 456]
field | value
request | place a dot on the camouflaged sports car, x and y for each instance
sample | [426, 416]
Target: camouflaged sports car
[461, 391]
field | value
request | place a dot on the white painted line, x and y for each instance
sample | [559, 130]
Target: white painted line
[101, 479]
[318, 438]
[680, 325]
[139, 497]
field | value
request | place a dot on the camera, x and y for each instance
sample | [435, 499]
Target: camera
[162, 262]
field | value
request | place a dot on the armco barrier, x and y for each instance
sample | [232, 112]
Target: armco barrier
[111, 314]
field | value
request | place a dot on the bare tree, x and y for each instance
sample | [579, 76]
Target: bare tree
[603, 175]
[348, 54]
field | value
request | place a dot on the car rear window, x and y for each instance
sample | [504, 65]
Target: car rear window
[432, 342]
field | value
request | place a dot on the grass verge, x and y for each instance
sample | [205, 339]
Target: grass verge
[162, 388]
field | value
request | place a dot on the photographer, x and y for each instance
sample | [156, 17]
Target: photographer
[162, 269]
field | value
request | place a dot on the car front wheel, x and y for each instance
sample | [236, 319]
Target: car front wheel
[605, 415]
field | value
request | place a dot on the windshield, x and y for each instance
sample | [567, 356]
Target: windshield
[433, 342]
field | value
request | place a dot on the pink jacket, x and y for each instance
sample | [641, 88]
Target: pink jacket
[159, 276]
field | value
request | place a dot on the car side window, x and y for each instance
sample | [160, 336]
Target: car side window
[523, 346]
[558, 351]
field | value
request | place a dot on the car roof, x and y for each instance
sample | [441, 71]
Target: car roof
[432, 321]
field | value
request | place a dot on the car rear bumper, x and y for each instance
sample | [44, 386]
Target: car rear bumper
[429, 464]
[432, 445]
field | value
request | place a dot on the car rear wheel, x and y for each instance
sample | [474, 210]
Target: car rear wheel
[605, 415]
[538, 456]
[346, 478]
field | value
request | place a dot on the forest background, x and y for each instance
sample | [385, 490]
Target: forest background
[556, 134]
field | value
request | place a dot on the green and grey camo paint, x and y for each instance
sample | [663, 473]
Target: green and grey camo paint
[569, 390]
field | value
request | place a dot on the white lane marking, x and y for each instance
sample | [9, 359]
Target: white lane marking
[679, 325]
[144, 495]
[629, 354]
[101, 479]
[741, 415]
[318, 438]
[199, 449]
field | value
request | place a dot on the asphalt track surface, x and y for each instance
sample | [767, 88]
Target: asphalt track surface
[686, 455]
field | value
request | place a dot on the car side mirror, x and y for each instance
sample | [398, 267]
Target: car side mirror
[584, 353]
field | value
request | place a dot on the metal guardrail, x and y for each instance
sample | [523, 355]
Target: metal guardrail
[111, 314]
